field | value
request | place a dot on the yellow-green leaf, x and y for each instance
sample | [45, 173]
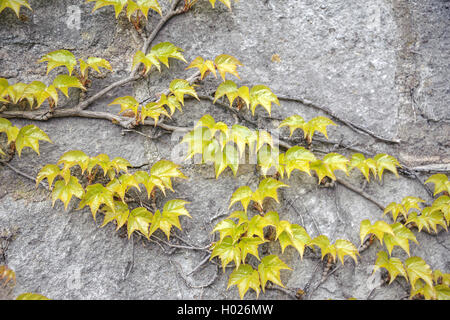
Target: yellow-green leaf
[227, 64]
[60, 58]
[126, 103]
[269, 270]
[227, 251]
[180, 87]
[385, 161]
[393, 265]
[14, 5]
[418, 269]
[441, 183]
[245, 277]
[64, 82]
[29, 136]
[64, 192]
[95, 196]
[140, 219]
[49, 171]
[262, 95]
[203, 66]
[31, 296]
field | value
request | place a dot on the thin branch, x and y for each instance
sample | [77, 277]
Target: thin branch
[361, 193]
[23, 174]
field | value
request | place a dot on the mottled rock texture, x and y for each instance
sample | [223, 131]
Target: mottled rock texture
[381, 64]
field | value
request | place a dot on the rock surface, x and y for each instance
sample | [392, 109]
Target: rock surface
[383, 65]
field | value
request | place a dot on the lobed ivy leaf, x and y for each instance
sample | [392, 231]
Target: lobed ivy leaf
[59, 58]
[231, 91]
[384, 161]
[126, 103]
[345, 248]
[429, 219]
[256, 226]
[441, 183]
[245, 277]
[16, 92]
[227, 250]
[119, 214]
[298, 158]
[49, 172]
[242, 194]
[249, 245]
[153, 110]
[73, 158]
[442, 292]
[417, 268]
[94, 63]
[117, 4]
[442, 204]
[229, 157]
[64, 82]
[165, 170]
[227, 64]
[228, 228]
[293, 235]
[271, 157]
[393, 265]
[325, 246]
[10, 130]
[29, 136]
[95, 196]
[269, 270]
[150, 182]
[424, 289]
[364, 165]
[144, 6]
[204, 66]
[64, 191]
[140, 219]
[180, 87]
[319, 124]
[39, 92]
[400, 238]
[15, 5]
[262, 95]
[171, 102]
[379, 229]
[267, 188]
[293, 122]
[122, 184]
[242, 136]
[169, 217]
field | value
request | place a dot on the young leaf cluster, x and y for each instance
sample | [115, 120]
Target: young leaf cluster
[110, 199]
[240, 235]
[27, 136]
[431, 285]
[429, 217]
[223, 146]
[166, 105]
[158, 54]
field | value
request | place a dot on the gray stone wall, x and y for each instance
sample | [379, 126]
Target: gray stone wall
[381, 64]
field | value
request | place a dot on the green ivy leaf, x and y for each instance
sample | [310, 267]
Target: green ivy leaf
[49, 172]
[294, 122]
[242, 194]
[180, 87]
[441, 183]
[64, 191]
[119, 214]
[60, 58]
[14, 5]
[298, 158]
[73, 158]
[95, 196]
[139, 219]
[94, 63]
[227, 64]
[29, 136]
[269, 270]
[126, 103]
[267, 188]
[379, 229]
[165, 170]
[203, 66]
[245, 277]
[401, 238]
[364, 165]
[385, 161]
[393, 265]
[227, 251]
[418, 269]
[262, 95]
